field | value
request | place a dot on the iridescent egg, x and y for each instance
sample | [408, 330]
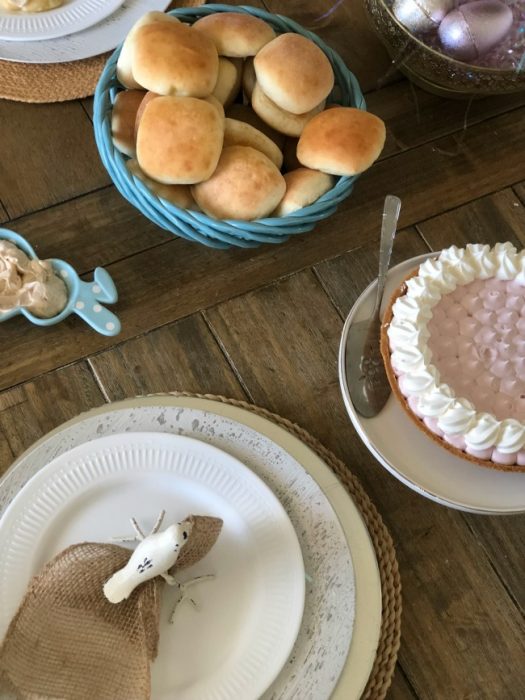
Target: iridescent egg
[475, 28]
[421, 16]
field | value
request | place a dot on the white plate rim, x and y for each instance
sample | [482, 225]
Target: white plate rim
[65, 20]
[70, 467]
[84, 44]
[368, 613]
[360, 427]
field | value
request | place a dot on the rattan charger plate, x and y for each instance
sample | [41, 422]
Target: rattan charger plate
[57, 82]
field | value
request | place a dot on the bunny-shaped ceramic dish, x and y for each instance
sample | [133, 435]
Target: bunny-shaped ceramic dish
[83, 297]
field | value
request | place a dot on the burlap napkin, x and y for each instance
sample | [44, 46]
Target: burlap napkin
[67, 642]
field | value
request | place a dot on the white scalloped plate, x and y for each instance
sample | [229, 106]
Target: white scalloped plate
[73, 16]
[410, 455]
[97, 39]
[250, 613]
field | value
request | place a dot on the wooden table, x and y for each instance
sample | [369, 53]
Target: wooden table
[264, 325]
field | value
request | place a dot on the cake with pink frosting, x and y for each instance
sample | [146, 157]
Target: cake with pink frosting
[453, 341]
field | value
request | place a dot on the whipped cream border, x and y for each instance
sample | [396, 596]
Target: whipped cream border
[408, 339]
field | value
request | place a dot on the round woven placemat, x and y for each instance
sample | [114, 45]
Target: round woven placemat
[57, 82]
[389, 641]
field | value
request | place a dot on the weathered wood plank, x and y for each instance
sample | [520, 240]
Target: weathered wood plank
[497, 217]
[3, 214]
[91, 231]
[400, 688]
[345, 276]
[183, 356]
[186, 277]
[48, 155]
[456, 610]
[519, 189]
[415, 117]
[27, 412]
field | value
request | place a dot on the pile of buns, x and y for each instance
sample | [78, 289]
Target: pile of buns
[215, 113]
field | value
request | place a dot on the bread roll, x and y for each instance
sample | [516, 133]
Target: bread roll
[285, 122]
[123, 116]
[237, 133]
[248, 78]
[234, 33]
[246, 185]
[124, 72]
[294, 73]
[147, 97]
[179, 195]
[179, 140]
[341, 141]
[303, 187]
[172, 59]
[244, 113]
[215, 102]
[228, 81]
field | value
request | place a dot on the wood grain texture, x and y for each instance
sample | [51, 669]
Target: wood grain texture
[202, 277]
[95, 230]
[48, 155]
[27, 412]
[415, 117]
[519, 189]
[3, 214]
[456, 610]
[401, 688]
[183, 356]
[497, 217]
[345, 276]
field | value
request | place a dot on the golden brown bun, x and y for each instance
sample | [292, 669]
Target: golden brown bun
[248, 78]
[237, 133]
[294, 73]
[341, 141]
[124, 72]
[215, 102]
[125, 108]
[234, 33]
[179, 140]
[148, 96]
[246, 185]
[244, 113]
[303, 187]
[280, 120]
[290, 161]
[180, 195]
[385, 352]
[172, 59]
[228, 81]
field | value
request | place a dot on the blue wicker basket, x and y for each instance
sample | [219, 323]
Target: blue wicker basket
[197, 226]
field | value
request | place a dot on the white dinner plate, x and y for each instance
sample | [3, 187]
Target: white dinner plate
[102, 37]
[73, 16]
[412, 456]
[336, 646]
[250, 613]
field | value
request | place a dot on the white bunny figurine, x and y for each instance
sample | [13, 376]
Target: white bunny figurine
[154, 556]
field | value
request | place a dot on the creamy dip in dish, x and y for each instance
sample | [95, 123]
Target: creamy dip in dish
[29, 284]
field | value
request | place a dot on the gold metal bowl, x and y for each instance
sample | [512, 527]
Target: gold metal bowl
[433, 70]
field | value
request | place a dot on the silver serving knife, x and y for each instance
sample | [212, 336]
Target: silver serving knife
[365, 373]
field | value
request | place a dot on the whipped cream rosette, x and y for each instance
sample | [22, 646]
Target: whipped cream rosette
[453, 341]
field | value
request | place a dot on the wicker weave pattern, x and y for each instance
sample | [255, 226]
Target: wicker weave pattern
[196, 226]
